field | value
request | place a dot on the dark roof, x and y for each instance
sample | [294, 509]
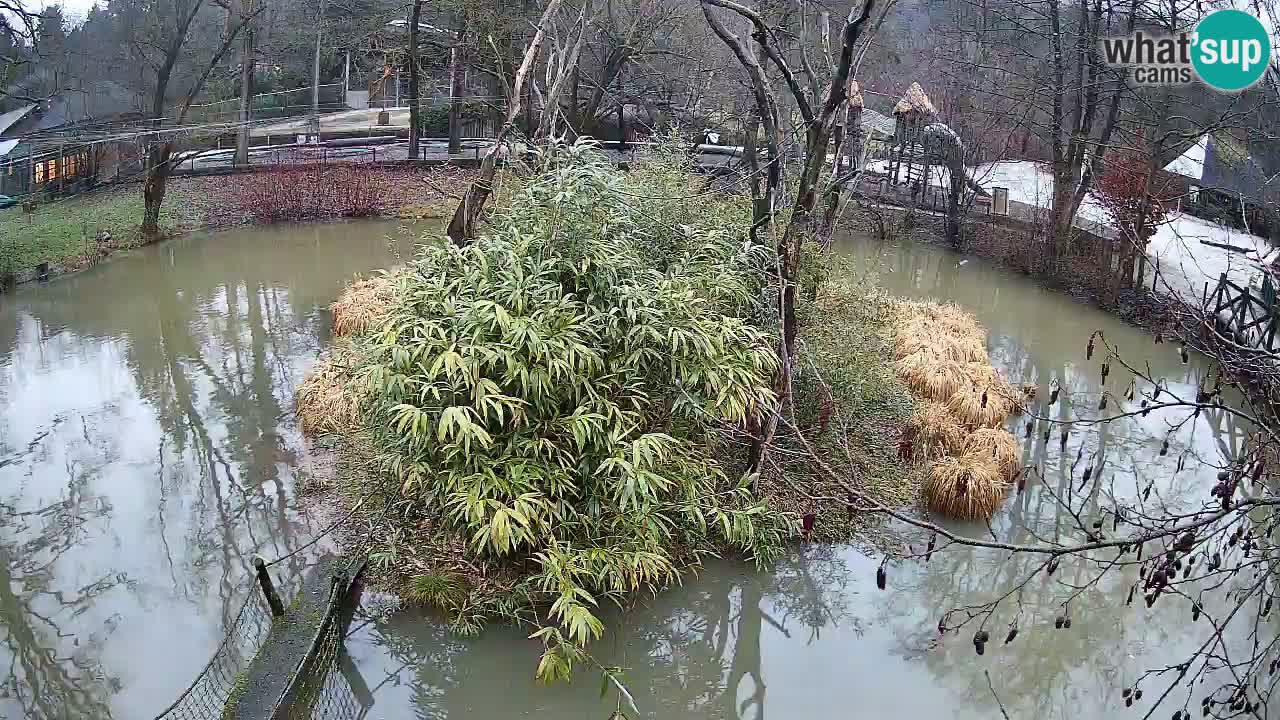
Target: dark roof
[96, 102]
[1236, 171]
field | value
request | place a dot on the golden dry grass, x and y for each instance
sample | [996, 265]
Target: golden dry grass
[968, 487]
[998, 445]
[930, 376]
[361, 306]
[976, 406]
[325, 403]
[934, 429]
[942, 359]
[955, 318]
[923, 336]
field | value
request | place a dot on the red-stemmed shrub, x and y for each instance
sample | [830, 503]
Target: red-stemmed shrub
[1122, 189]
[290, 193]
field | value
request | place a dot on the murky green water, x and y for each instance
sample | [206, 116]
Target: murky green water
[148, 450]
[814, 638]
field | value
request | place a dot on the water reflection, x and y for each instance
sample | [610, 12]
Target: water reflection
[814, 638]
[697, 652]
[148, 450]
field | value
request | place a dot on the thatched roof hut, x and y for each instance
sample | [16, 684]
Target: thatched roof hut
[855, 94]
[915, 101]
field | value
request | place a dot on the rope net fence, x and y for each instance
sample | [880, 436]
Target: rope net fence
[324, 685]
[216, 686]
[328, 690]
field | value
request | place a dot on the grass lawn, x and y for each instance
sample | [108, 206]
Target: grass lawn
[63, 233]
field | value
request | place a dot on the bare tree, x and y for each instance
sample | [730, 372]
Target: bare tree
[819, 102]
[625, 32]
[165, 43]
[18, 50]
[415, 98]
[462, 226]
[560, 66]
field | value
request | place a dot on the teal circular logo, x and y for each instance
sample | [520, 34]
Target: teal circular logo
[1231, 50]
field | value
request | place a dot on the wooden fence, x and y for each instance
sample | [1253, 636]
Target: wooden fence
[1249, 316]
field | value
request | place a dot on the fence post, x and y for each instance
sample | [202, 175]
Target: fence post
[1246, 301]
[759, 209]
[268, 587]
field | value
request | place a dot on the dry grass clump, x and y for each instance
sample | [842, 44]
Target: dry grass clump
[325, 403]
[942, 359]
[925, 336]
[958, 320]
[968, 487]
[998, 445]
[930, 376]
[934, 429]
[361, 306]
[977, 406]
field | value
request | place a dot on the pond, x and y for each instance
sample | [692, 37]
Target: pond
[148, 450]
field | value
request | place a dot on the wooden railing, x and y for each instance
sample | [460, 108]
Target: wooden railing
[1249, 316]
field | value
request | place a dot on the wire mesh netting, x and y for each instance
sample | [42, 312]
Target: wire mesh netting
[273, 105]
[325, 684]
[208, 696]
[329, 688]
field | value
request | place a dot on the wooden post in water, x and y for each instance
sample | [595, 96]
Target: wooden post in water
[268, 588]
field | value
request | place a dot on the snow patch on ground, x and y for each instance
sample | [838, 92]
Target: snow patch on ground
[1031, 183]
[1186, 264]
[938, 176]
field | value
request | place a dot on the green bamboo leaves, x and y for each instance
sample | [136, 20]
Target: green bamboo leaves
[553, 390]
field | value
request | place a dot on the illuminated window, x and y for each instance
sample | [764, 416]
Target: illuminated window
[53, 169]
[39, 172]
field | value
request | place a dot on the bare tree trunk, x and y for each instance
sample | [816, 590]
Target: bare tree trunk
[849, 134]
[415, 112]
[575, 111]
[462, 226]
[153, 189]
[315, 74]
[247, 67]
[955, 169]
[749, 155]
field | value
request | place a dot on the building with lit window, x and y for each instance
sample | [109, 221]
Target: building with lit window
[69, 142]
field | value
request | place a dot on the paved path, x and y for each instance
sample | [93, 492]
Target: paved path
[345, 121]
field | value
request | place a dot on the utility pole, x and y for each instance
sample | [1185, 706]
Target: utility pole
[315, 76]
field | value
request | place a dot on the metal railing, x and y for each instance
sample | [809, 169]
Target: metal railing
[325, 685]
